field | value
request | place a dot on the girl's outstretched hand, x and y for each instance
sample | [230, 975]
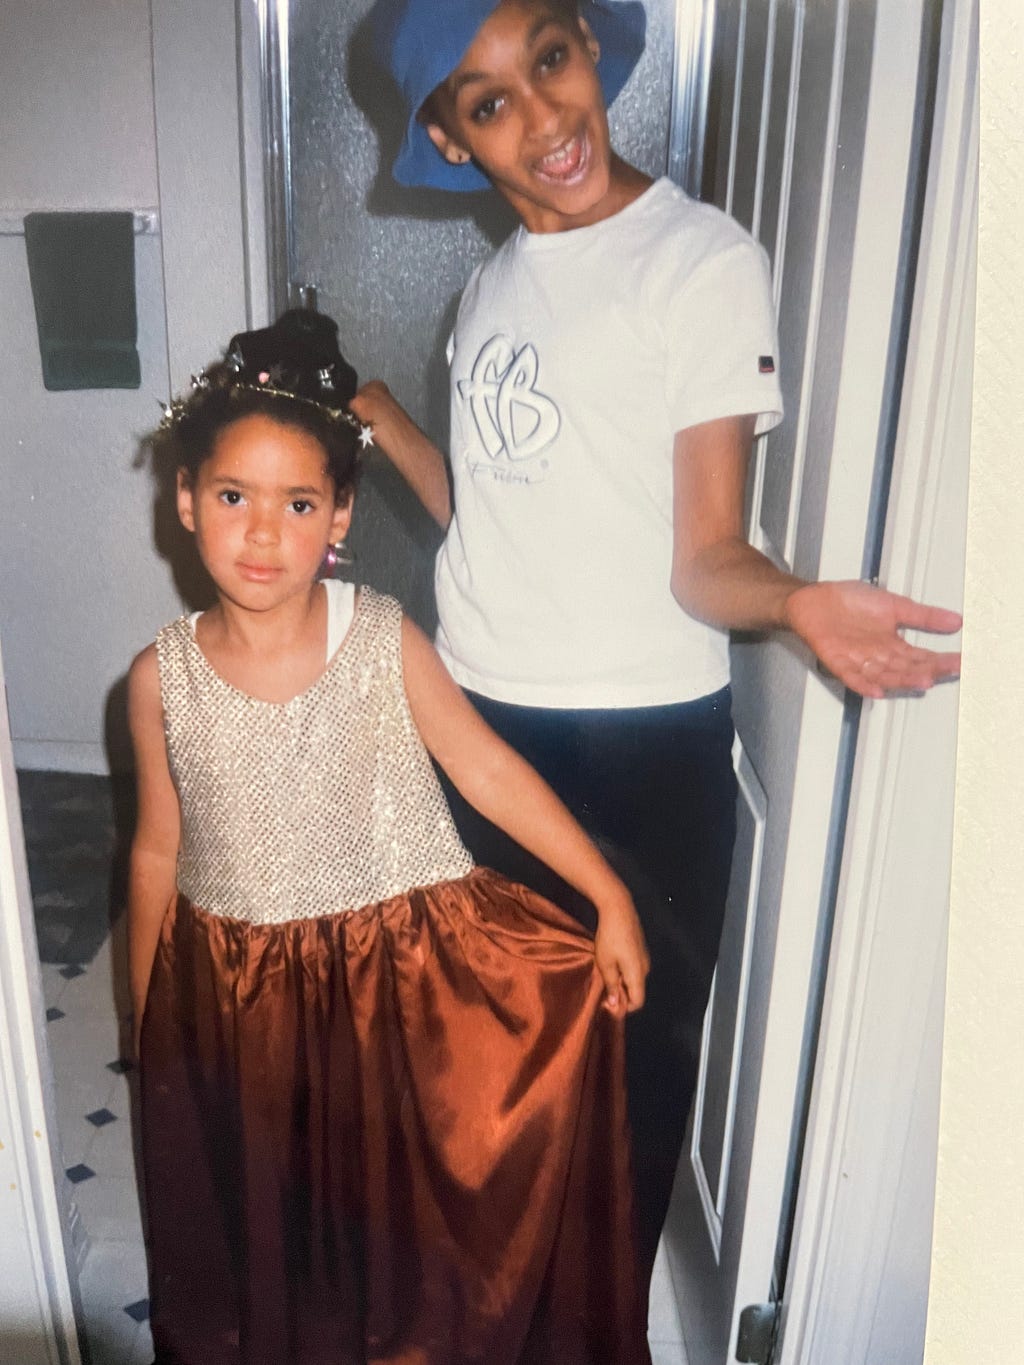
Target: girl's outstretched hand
[854, 628]
[621, 955]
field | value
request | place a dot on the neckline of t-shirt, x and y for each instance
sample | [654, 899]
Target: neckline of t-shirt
[556, 241]
[328, 585]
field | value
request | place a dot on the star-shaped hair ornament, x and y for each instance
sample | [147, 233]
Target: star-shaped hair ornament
[171, 412]
[363, 430]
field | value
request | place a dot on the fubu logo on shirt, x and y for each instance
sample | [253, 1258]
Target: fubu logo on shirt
[515, 422]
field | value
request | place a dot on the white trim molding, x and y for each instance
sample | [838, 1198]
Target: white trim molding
[858, 1281]
[38, 1291]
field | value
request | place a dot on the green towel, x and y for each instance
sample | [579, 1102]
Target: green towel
[82, 268]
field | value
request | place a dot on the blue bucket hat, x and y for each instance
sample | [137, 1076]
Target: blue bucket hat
[421, 42]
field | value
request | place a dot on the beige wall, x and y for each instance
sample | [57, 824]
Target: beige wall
[81, 586]
[77, 100]
[100, 111]
[977, 1285]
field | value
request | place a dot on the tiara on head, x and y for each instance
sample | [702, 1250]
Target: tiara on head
[224, 376]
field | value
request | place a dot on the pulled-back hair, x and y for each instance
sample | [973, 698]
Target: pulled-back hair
[291, 373]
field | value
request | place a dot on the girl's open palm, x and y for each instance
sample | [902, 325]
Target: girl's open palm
[854, 629]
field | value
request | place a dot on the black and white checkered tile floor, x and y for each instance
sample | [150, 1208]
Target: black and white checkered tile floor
[95, 1115]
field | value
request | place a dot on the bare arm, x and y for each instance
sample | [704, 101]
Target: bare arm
[409, 449]
[152, 864]
[504, 788]
[718, 577]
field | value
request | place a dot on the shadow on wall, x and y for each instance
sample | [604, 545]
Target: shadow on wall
[377, 96]
[175, 545]
[386, 505]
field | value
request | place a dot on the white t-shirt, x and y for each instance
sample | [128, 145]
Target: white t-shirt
[576, 357]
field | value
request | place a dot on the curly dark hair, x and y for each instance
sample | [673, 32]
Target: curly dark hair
[292, 373]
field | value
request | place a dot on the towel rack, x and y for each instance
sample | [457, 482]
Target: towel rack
[145, 221]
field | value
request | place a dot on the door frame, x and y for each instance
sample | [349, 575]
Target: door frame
[27, 1088]
[902, 805]
[867, 350]
[907, 543]
[41, 1282]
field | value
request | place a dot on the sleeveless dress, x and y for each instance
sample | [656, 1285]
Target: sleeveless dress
[383, 1110]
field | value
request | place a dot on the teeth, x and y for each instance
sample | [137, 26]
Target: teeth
[562, 155]
[566, 163]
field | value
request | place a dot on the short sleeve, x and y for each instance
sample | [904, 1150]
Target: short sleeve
[722, 343]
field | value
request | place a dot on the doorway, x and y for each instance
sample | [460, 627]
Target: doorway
[815, 511]
[812, 125]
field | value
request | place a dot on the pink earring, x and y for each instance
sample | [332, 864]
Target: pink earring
[337, 556]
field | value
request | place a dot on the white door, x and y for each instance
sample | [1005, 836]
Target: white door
[810, 133]
[37, 1282]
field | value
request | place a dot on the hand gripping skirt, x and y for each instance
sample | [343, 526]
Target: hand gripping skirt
[395, 1136]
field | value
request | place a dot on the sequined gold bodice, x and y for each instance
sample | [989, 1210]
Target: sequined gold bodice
[321, 804]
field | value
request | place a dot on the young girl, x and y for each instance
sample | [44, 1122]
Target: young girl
[383, 1118]
[610, 366]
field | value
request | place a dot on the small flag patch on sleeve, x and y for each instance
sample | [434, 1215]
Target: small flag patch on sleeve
[766, 364]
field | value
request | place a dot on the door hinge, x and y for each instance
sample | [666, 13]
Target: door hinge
[759, 1327]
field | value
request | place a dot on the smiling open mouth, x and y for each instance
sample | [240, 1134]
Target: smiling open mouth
[567, 163]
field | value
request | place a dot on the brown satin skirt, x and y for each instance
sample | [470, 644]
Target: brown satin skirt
[390, 1137]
